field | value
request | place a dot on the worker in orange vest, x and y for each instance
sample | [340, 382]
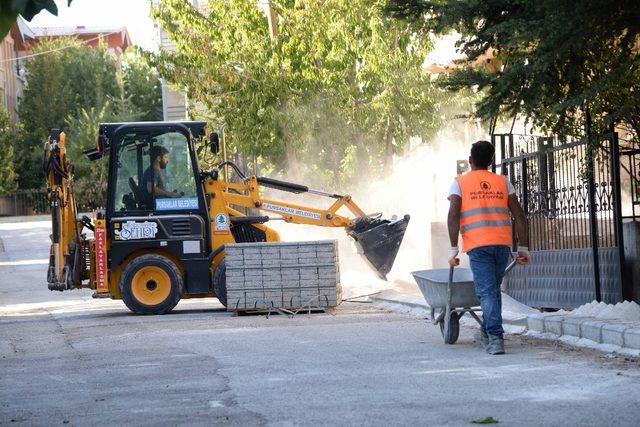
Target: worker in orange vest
[481, 206]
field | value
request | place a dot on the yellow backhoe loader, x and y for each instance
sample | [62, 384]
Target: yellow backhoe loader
[162, 234]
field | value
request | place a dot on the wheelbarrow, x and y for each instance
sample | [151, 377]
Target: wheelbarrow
[452, 293]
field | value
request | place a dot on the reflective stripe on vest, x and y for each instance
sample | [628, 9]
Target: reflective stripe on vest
[485, 218]
[477, 211]
[486, 223]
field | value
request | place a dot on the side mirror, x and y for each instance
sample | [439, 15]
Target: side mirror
[100, 143]
[214, 143]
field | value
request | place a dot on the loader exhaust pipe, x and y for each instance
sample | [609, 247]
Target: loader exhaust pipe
[378, 240]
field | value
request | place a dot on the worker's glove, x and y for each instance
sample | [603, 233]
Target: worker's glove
[453, 253]
[523, 256]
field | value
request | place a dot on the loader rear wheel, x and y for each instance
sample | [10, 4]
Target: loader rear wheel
[220, 282]
[151, 284]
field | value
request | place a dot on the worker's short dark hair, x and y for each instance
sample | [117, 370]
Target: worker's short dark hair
[482, 153]
[157, 151]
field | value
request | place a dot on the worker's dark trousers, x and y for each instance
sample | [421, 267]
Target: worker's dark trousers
[488, 264]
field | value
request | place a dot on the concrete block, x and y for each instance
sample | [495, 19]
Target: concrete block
[289, 254]
[328, 281]
[571, 326]
[309, 276]
[309, 283]
[290, 283]
[632, 338]
[270, 251]
[253, 284]
[535, 322]
[613, 333]
[282, 274]
[251, 272]
[553, 324]
[592, 330]
[290, 274]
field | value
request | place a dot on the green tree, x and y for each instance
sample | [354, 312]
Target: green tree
[556, 59]
[8, 137]
[142, 87]
[60, 83]
[332, 85]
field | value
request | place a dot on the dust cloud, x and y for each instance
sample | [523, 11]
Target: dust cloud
[418, 186]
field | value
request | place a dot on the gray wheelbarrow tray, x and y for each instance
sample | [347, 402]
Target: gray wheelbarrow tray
[452, 292]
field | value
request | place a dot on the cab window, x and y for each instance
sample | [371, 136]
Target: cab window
[154, 173]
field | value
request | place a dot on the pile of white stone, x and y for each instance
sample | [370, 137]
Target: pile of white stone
[614, 325]
[627, 311]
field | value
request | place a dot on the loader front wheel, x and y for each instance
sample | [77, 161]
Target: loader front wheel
[151, 284]
[220, 282]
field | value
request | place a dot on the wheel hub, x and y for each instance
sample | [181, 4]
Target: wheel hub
[151, 285]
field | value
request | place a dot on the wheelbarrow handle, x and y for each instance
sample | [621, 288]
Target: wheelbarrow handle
[510, 266]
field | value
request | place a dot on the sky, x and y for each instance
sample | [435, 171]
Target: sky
[133, 14]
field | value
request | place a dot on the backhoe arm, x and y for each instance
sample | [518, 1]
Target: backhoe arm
[377, 239]
[65, 251]
[247, 195]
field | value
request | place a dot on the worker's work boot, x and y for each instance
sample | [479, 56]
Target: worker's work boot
[496, 344]
[482, 338]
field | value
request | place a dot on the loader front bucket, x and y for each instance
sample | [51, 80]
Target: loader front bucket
[379, 240]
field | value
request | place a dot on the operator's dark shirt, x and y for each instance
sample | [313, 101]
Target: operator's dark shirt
[159, 177]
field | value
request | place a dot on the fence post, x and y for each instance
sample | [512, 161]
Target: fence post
[493, 142]
[524, 197]
[593, 214]
[627, 286]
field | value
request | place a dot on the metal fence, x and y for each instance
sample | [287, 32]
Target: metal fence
[25, 202]
[571, 194]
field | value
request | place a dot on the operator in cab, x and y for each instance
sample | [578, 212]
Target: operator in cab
[154, 179]
[481, 206]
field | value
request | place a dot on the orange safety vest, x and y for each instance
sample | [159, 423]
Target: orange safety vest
[485, 218]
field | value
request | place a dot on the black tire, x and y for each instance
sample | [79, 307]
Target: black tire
[450, 336]
[171, 284]
[220, 282]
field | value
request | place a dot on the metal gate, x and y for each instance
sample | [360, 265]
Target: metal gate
[571, 194]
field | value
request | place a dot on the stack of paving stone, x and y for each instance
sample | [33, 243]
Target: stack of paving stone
[282, 275]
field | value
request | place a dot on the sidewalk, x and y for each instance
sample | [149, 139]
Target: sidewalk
[611, 335]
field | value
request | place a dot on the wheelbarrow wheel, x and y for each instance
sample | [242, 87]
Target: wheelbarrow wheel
[450, 335]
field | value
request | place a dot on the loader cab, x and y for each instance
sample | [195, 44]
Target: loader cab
[155, 200]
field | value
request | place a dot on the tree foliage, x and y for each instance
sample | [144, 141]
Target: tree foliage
[142, 87]
[75, 87]
[59, 84]
[8, 136]
[557, 58]
[338, 87]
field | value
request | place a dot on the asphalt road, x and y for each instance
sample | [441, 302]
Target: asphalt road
[68, 359]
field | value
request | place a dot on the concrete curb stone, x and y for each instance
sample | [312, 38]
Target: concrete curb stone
[535, 322]
[613, 333]
[592, 330]
[571, 326]
[553, 324]
[632, 338]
